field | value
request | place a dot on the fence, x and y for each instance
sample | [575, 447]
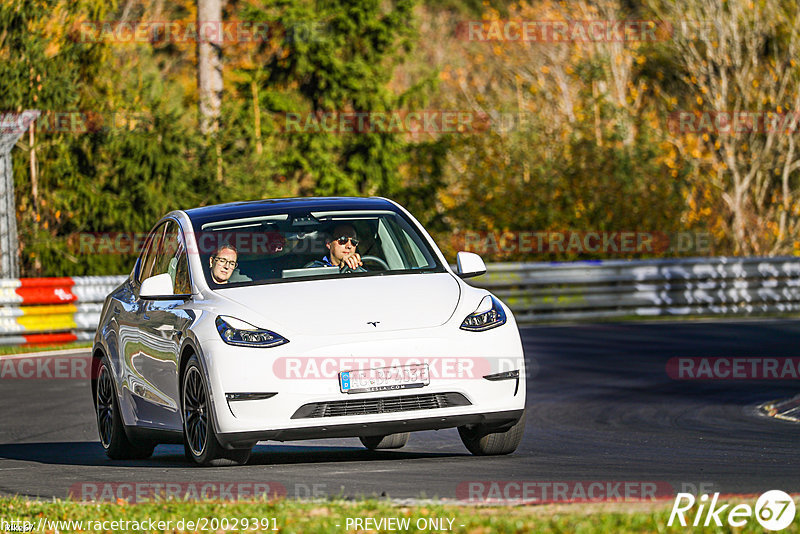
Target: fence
[47, 310]
[646, 288]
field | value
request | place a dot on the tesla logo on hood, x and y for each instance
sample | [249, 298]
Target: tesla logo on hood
[374, 323]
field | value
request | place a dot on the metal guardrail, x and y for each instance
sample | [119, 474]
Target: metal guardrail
[645, 288]
[48, 310]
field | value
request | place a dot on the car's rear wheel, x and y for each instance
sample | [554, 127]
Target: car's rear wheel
[109, 422]
[481, 440]
[392, 441]
[200, 438]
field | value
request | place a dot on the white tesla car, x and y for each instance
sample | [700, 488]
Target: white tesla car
[302, 318]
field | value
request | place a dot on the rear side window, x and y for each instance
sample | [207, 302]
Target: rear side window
[149, 254]
[166, 253]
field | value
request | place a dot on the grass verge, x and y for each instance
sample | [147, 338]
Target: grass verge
[338, 516]
[24, 349]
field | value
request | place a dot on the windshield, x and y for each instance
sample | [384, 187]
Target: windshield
[287, 247]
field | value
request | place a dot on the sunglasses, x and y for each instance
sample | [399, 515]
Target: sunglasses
[343, 240]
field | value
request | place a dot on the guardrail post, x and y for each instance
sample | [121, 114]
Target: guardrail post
[12, 126]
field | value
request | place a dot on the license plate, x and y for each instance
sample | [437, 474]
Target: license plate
[384, 378]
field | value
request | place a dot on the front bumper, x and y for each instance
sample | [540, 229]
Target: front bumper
[279, 414]
[497, 421]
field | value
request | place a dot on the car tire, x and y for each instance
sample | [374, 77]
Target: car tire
[199, 432]
[113, 438]
[392, 441]
[481, 441]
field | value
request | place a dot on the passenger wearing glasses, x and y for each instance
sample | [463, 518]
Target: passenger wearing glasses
[342, 243]
[223, 263]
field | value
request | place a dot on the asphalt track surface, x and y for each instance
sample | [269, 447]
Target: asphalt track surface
[601, 407]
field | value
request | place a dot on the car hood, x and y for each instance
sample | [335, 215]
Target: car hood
[351, 305]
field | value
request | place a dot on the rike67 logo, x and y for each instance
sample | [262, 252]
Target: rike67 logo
[774, 510]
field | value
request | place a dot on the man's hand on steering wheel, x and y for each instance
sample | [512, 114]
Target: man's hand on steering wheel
[353, 261]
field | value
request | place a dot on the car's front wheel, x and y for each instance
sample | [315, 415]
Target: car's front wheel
[392, 441]
[481, 440]
[109, 422]
[200, 438]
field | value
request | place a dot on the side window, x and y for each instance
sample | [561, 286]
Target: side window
[166, 250]
[412, 250]
[182, 284]
[149, 254]
[171, 258]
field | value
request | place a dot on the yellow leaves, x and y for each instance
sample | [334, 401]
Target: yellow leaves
[699, 101]
[52, 49]
[755, 83]
[705, 137]
[579, 208]
[640, 60]
[545, 69]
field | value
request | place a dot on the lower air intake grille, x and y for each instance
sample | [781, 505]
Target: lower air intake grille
[405, 403]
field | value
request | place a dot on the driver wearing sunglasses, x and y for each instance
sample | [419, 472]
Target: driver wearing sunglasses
[342, 243]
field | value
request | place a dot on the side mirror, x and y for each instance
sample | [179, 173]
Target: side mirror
[469, 264]
[157, 287]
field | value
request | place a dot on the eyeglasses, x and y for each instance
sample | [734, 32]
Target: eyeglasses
[343, 240]
[222, 261]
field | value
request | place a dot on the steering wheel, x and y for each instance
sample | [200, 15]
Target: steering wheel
[375, 259]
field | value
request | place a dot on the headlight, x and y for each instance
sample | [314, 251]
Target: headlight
[237, 332]
[489, 315]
